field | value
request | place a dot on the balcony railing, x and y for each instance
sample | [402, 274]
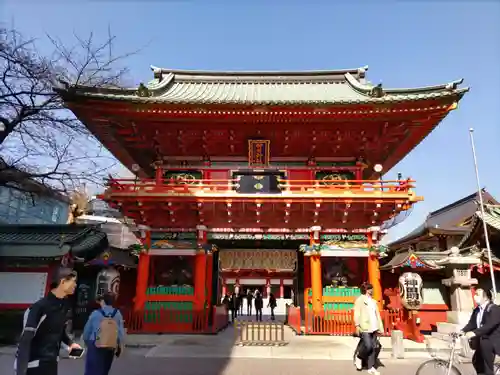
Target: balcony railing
[286, 186]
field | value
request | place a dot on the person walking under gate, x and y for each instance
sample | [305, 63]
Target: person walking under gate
[259, 305]
[233, 306]
[241, 297]
[103, 334]
[249, 302]
[368, 327]
[272, 304]
[483, 331]
[45, 328]
[226, 301]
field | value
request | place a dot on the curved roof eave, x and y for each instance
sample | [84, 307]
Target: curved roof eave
[264, 73]
[369, 100]
[379, 92]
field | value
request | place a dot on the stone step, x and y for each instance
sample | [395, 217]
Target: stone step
[447, 328]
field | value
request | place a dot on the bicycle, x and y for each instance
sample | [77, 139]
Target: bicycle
[447, 364]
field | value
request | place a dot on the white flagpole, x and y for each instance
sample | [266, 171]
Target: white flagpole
[481, 204]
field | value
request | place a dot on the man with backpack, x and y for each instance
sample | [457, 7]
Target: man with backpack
[103, 334]
[44, 328]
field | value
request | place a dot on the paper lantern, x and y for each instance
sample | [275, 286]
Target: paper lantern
[410, 289]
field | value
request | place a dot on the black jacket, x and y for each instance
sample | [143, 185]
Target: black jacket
[43, 333]
[490, 326]
[259, 302]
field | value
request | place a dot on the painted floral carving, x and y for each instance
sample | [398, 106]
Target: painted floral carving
[282, 260]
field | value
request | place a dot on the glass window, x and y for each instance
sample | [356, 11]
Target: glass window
[4, 195]
[55, 213]
[12, 212]
[433, 293]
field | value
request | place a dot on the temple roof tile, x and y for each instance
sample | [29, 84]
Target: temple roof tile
[347, 86]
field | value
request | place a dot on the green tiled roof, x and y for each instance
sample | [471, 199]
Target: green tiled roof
[491, 216]
[446, 220]
[266, 88]
[51, 241]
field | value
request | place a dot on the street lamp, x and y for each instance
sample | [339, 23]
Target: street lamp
[135, 168]
[378, 169]
[481, 204]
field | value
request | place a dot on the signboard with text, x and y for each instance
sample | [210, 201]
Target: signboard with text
[258, 152]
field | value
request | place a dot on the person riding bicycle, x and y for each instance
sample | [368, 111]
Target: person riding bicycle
[483, 332]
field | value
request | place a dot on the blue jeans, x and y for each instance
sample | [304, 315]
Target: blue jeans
[98, 361]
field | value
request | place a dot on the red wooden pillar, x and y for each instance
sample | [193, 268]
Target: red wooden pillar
[374, 272]
[359, 170]
[159, 174]
[142, 273]
[316, 282]
[210, 273]
[200, 268]
[282, 289]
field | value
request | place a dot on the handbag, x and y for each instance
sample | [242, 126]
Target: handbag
[474, 343]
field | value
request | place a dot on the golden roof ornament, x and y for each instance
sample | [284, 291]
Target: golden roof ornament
[143, 91]
[377, 91]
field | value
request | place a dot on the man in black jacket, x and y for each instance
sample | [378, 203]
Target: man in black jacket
[483, 331]
[45, 329]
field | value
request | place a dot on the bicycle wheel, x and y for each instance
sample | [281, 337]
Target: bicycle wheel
[437, 367]
[497, 369]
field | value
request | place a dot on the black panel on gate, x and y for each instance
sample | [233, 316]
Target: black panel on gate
[258, 182]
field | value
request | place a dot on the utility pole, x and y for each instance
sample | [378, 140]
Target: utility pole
[481, 205]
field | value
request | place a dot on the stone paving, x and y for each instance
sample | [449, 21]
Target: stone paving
[222, 346]
[298, 347]
[134, 363]
[218, 355]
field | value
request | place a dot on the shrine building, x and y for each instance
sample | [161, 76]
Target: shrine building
[260, 180]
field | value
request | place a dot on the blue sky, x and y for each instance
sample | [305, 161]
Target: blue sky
[405, 44]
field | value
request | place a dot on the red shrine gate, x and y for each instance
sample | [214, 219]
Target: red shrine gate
[296, 153]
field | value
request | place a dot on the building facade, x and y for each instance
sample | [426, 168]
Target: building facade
[17, 207]
[449, 251]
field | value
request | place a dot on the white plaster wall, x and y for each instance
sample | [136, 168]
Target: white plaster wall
[22, 287]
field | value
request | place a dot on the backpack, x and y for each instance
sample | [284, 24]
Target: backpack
[107, 334]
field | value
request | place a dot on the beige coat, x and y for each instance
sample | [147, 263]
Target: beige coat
[362, 315]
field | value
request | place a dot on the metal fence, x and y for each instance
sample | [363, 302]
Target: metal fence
[259, 333]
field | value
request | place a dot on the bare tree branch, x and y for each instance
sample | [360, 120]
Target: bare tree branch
[43, 147]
